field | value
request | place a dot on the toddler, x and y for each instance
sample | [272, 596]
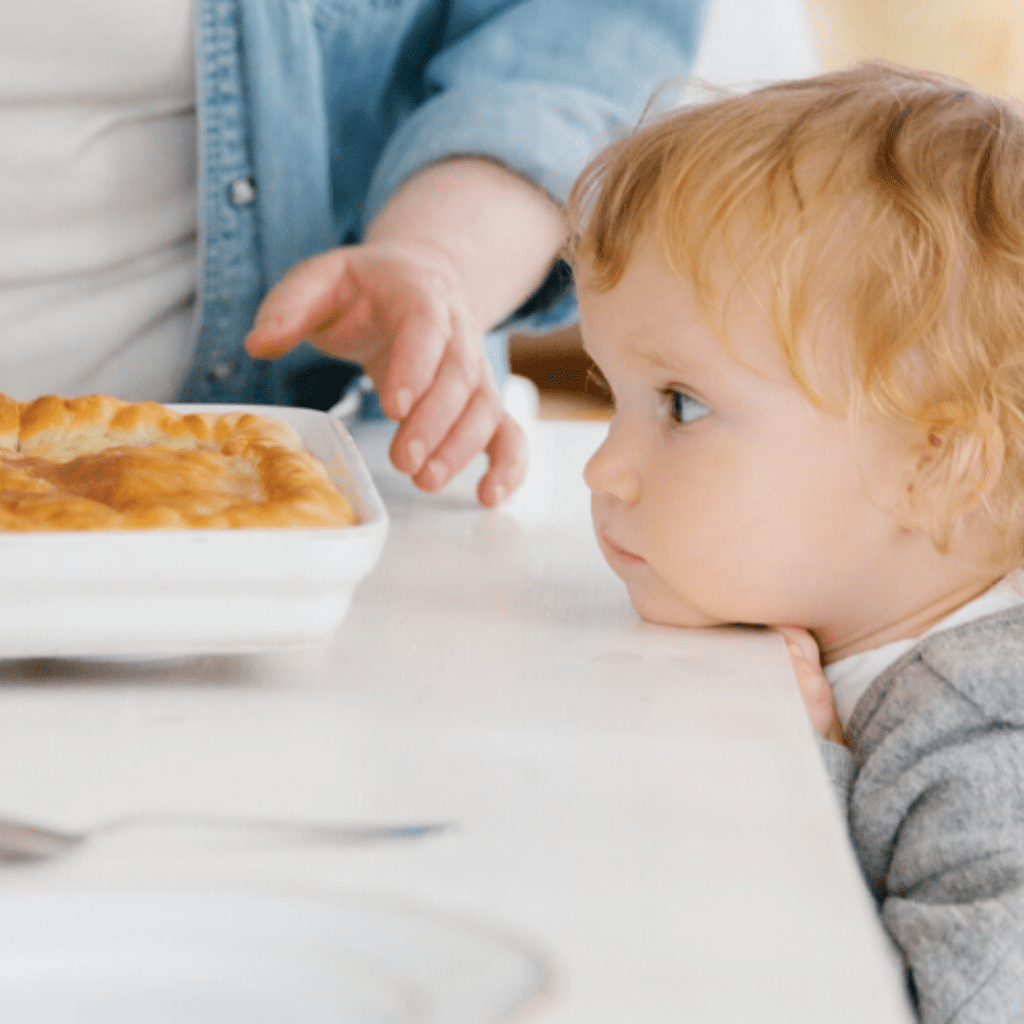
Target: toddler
[808, 304]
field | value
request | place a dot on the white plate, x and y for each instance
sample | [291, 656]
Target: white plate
[221, 956]
[139, 593]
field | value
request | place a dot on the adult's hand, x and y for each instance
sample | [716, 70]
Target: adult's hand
[457, 249]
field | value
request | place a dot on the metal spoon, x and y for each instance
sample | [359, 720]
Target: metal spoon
[22, 841]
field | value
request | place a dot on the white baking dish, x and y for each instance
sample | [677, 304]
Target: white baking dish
[163, 593]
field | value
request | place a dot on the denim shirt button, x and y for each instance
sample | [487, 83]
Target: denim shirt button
[221, 372]
[242, 191]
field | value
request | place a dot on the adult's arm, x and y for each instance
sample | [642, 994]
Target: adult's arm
[533, 88]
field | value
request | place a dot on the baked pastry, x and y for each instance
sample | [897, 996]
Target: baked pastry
[97, 463]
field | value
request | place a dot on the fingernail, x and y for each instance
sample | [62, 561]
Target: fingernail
[437, 470]
[417, 452]
[403, 403]
[497, 494]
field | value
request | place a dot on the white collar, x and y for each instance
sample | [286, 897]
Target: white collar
[851, 676]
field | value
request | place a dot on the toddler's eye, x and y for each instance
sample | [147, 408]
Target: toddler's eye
[683, 408]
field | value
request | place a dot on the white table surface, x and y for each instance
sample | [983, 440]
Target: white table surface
[644, 805]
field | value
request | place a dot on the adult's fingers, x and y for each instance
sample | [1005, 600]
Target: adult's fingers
[463, 377]
[481, 428]
[458, 418]
[420, 343]
[311, 298]
[509, 460]
[467, 439]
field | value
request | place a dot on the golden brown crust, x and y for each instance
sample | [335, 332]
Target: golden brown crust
[10, 416]
[97, 463]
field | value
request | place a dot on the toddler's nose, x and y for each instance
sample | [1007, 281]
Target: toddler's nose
[611, 471]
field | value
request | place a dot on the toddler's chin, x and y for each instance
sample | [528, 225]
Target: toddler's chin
[660, 612]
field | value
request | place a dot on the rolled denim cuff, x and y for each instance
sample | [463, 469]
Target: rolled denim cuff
[546, 133]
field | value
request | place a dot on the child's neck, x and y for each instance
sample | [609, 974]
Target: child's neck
[835, 645]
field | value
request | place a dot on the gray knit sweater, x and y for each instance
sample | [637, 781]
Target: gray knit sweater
[933, 785]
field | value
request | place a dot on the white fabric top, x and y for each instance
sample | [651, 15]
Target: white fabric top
[850, 677]
[97, 197]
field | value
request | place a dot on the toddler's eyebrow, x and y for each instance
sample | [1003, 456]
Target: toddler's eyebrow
[679, 363]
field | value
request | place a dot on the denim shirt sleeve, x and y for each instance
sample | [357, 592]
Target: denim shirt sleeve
[322, 108]
[540, 86]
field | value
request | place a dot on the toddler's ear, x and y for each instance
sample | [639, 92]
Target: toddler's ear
[958, 465]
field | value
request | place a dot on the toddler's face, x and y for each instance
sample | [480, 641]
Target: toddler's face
[722, 493]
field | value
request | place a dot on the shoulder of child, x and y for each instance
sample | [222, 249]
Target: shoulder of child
[984, 661]
[978, 665]
[937, 815]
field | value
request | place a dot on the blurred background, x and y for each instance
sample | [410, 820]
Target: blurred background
[749, 42]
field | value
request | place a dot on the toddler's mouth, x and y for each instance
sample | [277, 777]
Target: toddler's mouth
[620, 553]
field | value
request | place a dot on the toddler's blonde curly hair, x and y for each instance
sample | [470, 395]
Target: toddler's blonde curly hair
[884, 204]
